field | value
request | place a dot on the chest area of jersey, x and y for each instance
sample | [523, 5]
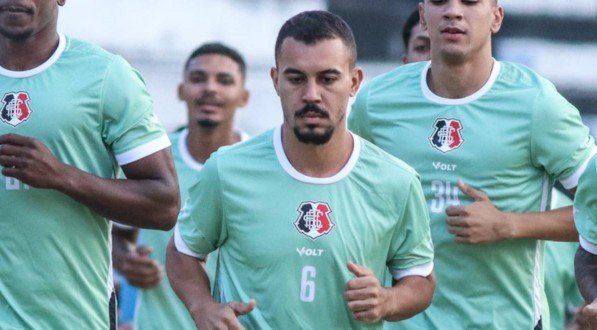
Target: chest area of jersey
[315, 224]
[30, 106]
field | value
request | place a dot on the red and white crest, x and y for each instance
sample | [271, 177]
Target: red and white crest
[446, 134]
[15, 108]
[314, 220]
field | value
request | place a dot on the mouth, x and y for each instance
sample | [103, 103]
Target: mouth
[452, 30]
[16, 9]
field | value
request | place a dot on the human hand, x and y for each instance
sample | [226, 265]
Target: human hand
[364, 294]
[479, 222]
[223, 316]
[586, 316]
[30, 161]
[139, 269]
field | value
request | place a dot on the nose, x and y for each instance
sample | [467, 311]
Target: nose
[311, 93]
[210, 85]
[453, 10]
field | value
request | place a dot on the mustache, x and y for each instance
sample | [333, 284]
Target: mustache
[208, 99]
[313, 108]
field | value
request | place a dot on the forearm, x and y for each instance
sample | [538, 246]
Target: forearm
[148, 198]
[554, 225]
[585, 267]
[188, 280]
[408, 297]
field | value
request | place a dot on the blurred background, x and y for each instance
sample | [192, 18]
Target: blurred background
[558, 38]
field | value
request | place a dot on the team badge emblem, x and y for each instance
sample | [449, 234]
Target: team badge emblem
[314, 219]
[15, 108]
[446, 135]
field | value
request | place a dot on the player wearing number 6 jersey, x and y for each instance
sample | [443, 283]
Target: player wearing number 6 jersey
[308, 216]
[499, 127]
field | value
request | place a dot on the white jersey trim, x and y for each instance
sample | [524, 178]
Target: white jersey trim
[42, 67]
[588, 246]
[354, 157]
[143, 150]
[185, 154]
[182, 247]
[572, 181]
[495, 71]
[421, 270]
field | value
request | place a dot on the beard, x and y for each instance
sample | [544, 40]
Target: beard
[313, 134]
[207, 123]
[16, 34]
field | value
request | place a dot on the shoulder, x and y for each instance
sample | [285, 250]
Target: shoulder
[523, 77]
[92, 57]
[253, 148]
[386, 167]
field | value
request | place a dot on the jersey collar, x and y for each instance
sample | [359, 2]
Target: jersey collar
[285, 163]
[446, 101]
[42, 67]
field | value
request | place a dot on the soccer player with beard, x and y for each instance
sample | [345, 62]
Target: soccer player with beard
[71, 114]
[306, 217]
[465, 118]
[213, 88]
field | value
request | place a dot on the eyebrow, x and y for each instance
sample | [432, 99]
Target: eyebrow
[296, 71]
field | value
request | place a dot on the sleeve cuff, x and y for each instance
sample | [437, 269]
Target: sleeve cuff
[182, 247]
[423, 270]
[572, 181]
[143, 150]
[589, 247]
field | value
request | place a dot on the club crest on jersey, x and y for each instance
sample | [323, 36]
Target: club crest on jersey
[446, 134]
[314, 219]
[15, 108]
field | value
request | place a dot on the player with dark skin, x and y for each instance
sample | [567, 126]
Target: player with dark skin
[585, 264]
[147, 198]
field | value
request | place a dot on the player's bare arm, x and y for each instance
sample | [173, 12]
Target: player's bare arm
[481, 222]
[133, 261]
[585, 267]
[190, 282]
[148, 198]
[370, 302]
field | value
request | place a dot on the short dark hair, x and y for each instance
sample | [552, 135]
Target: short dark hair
[407, 30]
[219, 49]
[310, 27]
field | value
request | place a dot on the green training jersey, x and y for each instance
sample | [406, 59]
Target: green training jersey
[93, 112]
[585, 207]
[562, 294]
[512, 138]
[285, 238]
[159, 307]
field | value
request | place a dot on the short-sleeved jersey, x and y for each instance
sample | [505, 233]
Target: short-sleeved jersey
[562, 294]
[285, 238]
[160, 307]
[511, 139]
[585, 207]
[93, 112]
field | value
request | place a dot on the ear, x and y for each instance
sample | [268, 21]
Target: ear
[498, 18]
[422, 21]
[274, 74]
[61, 2]
[356, 79]
[180, 92]
[244, 98]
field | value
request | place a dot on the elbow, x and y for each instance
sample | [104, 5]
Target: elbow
[169, 212]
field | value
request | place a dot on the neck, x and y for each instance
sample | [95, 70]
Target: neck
[27, 54]
[202, 142]
[456, 80]
[319, 161]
